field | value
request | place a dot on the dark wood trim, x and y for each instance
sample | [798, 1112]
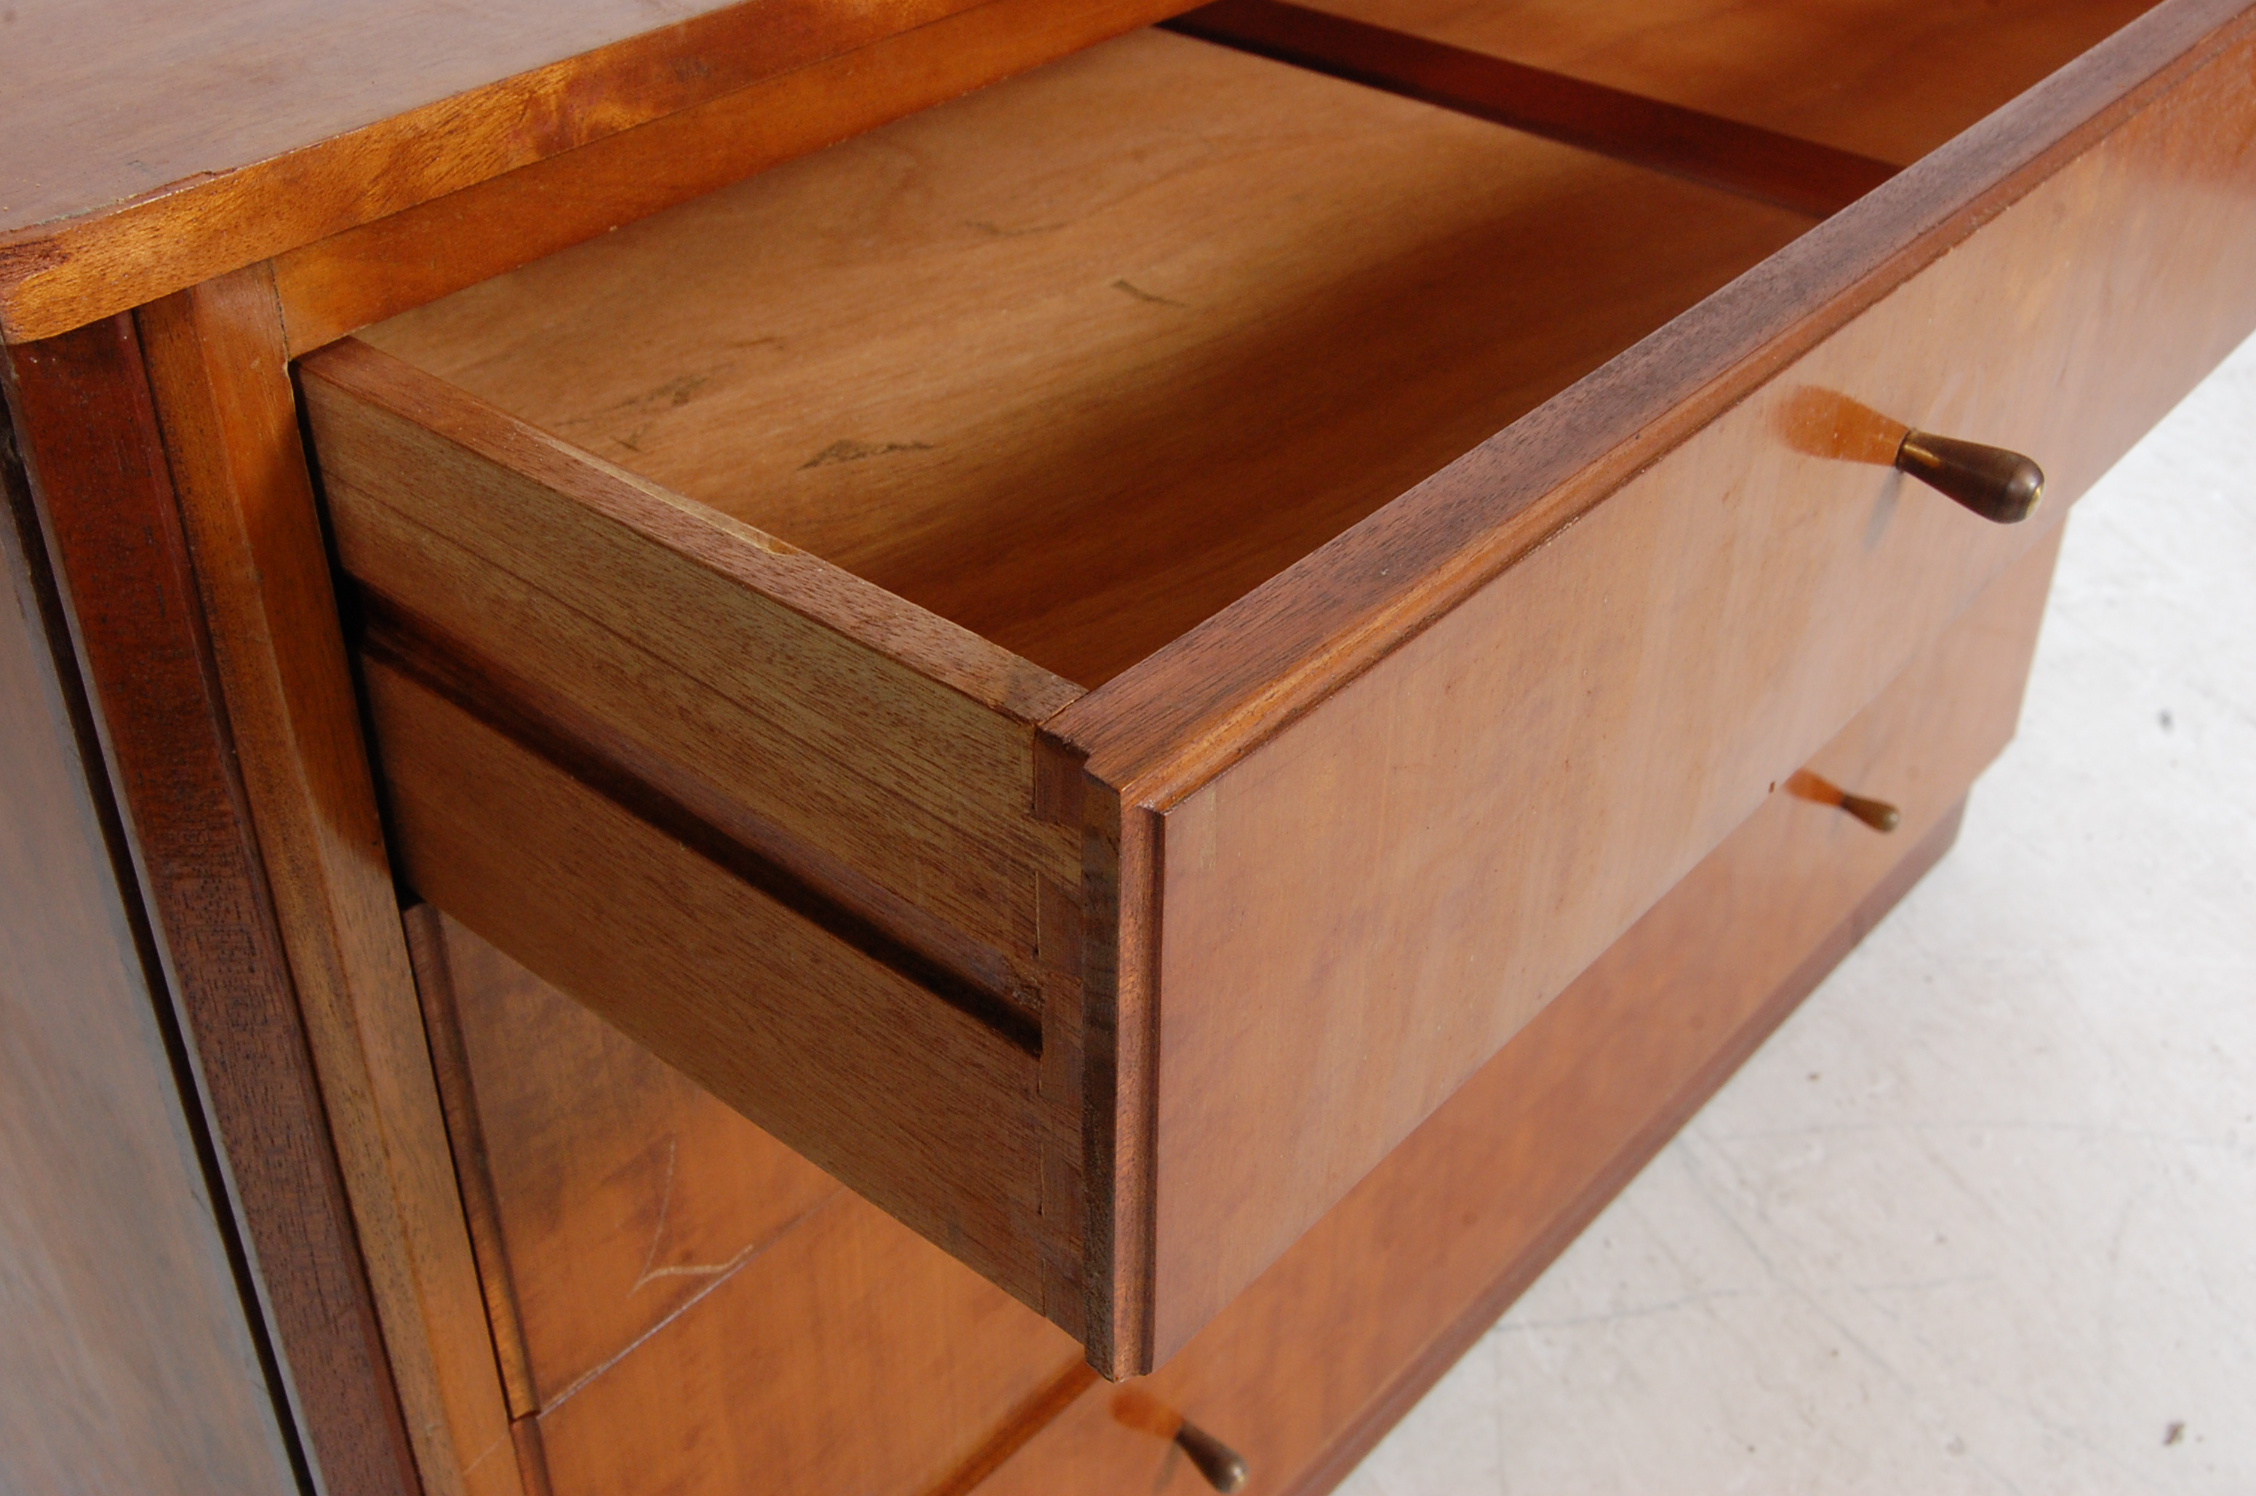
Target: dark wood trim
[819, 888]
[1783, 170]
[59, 908]
[103, 491]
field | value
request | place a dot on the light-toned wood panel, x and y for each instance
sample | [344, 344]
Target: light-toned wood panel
[1308, 1368]
[821, 1345]
[434, 987]
[849, 1356]
[1248, 672]
[182, 142]
[875, 733]
[1876, 76]
[1080, 359]
[1376, 901]
[336, 285]
[929, 1112]
[621, 1189]
[221, 382]
[1519, 781]
[223, 87]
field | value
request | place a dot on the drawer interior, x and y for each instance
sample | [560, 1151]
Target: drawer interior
[1077, 361]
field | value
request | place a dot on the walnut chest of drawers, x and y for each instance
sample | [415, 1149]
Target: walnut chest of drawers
[901, 748]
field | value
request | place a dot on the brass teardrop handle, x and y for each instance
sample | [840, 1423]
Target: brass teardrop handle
[1224, 1468]
[1878, 814]
[1994, 483]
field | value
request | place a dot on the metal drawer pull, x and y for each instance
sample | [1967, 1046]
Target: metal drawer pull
[1878, 814]
[1224, 1468]
[1994, 483]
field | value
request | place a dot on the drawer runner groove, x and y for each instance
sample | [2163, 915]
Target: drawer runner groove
[967, 975]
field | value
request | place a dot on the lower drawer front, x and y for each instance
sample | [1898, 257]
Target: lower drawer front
[1309, 1367]
[679, 1302]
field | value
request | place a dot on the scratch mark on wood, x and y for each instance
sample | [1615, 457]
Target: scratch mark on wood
[853, 451]
[1143, 295]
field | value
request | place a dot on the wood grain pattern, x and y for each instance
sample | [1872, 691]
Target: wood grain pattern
[1783, 170]
[929, 1112]
[1361, 823]
[193, 141]
[1215, 309]
[473, 1173]
[848, 1357]
[620, 1190]
[222, 390]
[1877, 77]
[1308, 1368]
[132, 1358]
[335, 285]
[849, 722]
[705, 1309]
[103, 488]
[1523, 777]
[1249, 670]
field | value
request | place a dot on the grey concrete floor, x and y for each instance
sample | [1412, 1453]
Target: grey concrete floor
[1982, 1216]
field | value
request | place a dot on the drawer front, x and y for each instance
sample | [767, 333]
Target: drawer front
[1340, 926]
[1305, 1371]
[681, 1303]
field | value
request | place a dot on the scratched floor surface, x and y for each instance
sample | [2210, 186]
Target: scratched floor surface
[1982, 1216]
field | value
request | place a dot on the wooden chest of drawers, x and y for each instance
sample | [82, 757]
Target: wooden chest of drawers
[1101, 918]
[1159, 670]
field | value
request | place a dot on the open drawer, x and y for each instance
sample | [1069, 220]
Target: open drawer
[1085, 658]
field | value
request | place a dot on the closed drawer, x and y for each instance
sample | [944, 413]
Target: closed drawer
[679, 1302]
[1303, 1373]
[1086, 658]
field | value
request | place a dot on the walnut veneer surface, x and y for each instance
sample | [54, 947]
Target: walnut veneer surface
[1187, 499]
[1075, 509]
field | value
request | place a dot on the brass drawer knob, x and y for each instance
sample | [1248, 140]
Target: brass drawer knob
[1878, 814]
[1224, 1468]
[1994, 483]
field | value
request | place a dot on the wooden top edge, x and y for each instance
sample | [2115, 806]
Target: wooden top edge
[892, 627]
[247, 190]
[1175, 720]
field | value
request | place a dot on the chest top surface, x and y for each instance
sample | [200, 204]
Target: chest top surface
[156, 143]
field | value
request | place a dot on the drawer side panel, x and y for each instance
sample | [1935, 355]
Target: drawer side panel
[929, 1112]
[855, 724]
